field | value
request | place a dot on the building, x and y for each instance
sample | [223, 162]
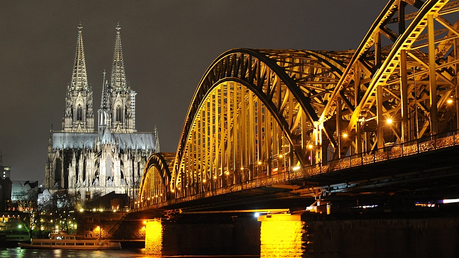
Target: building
[90, 162]
[6, 171]
[5, 193]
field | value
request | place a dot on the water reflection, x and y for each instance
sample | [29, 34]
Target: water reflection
[129, 253]
[59, 253]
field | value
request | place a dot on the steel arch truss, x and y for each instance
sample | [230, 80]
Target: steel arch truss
[254, 113]
[402, 91]
[154, 187]
[257, 112]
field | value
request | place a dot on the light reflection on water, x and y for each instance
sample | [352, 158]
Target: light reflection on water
[59, 253]
[130, 253]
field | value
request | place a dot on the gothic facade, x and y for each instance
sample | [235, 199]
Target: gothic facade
[88, 161]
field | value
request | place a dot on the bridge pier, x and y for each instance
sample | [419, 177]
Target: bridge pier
[153, 237]
[282, 235]
[203, 235]
[365, 234]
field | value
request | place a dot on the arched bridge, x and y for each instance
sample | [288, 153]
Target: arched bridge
[308, 123]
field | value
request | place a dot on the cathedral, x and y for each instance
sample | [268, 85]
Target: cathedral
[90, 162]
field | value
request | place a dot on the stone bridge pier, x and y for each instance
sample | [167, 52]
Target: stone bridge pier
[423, 234]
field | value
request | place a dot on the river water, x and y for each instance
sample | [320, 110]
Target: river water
[17, 252]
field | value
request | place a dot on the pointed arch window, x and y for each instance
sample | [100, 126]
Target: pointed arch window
[118, 113]
[79, 113]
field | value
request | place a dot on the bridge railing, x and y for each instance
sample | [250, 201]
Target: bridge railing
[394, 151]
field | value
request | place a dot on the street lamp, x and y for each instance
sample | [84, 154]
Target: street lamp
[310, 147]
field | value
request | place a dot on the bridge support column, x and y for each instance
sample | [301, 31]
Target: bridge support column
[153, 237]
[281, 235]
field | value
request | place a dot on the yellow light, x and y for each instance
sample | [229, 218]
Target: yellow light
[281, 236]
[204, 180]
[296, 168]
[281, 156]
[310, 146]
[81, 210]
[153, 237]
[389, 121]
[449, 101]
[345, 135]
[215, 177]
[259, 162]
[242, 168]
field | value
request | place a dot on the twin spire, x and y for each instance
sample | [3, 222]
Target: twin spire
[118, 80]
[117, 108]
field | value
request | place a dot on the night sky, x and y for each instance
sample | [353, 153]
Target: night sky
[167, 47]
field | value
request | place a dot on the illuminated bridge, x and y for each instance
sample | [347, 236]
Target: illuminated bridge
[273, 128]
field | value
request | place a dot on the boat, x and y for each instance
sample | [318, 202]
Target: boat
[67, 241]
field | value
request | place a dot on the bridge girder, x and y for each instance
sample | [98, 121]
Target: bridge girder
[274, 96]
[156, 177]
[315, 107]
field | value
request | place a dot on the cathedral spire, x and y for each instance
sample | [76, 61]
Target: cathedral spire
[118, 77]
[104, 97]
[78, 114]
[79, 76]
[104, 111]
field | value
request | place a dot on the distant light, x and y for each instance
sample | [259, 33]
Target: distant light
[449, 101]
[259, 162]
[256, 215]
[389, 121]
[450, 200]
[345, 135]
[19, 226]
[310, 146]
[281, 156]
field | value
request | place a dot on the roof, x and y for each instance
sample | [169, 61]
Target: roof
[64, 140]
